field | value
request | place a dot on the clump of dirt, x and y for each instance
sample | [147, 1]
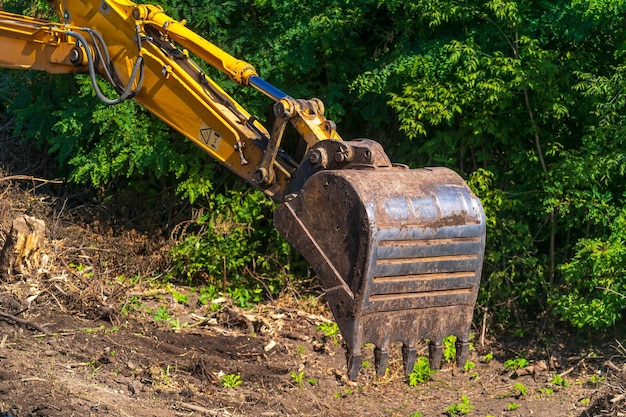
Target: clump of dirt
[96, 331]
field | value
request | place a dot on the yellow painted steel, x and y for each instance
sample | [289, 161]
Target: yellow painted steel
[35, 44]
[174, 88]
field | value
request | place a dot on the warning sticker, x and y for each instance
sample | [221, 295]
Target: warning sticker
[211, 137]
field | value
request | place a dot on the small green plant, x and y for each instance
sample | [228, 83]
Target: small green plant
[365, 364]
[449, 348]
[246, 297]
[297, 378]
[559, 381]
[176, 324]
[112, 329]
[311, 381]
[180, 297]
[133, 304]
[329, 330]
[512, 406]
[82, 269]
[231, 381]
[161, 314]
[300, 350]
[207, 294]
[488, 357]
[585, 401]
[546, 391]
[421, 372]
[91, 330]
[596, 379]
[417, 414]
[469, 365]
[520, 388]
[461, 408]
[516, 363]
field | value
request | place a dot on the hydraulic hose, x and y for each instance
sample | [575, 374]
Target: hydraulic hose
[128, 90]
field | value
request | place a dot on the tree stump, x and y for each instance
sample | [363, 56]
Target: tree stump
[21, 252]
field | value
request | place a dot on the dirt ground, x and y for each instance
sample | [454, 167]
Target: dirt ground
[94, 332]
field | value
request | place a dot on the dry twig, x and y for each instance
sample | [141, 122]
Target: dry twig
[11, 317]
[31, 178]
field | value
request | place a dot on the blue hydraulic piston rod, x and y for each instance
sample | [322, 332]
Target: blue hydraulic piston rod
[267, 88]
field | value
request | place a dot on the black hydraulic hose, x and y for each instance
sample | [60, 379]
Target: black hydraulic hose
[128, 90]
[100, 46]
[104, 57]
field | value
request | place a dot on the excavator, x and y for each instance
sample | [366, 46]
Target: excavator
[398, 251]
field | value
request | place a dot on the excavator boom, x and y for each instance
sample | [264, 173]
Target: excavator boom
[398, 251]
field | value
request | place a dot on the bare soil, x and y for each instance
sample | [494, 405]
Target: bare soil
[96, 332]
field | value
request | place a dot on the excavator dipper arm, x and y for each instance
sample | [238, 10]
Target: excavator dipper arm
[398, 251]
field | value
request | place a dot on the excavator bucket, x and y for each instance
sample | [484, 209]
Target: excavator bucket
[398, 252]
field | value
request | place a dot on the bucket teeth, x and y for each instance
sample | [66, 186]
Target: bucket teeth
[462, 352]
[381, 357]
[354, 365]
[408, 358]
[435, 354]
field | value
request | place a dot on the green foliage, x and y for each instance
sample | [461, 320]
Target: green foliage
[469, 365]
[180, 297]
[421, 372]
[520, 389]
[235, 239]
[231, 381]
[207, 293]
[558, 380]
[161, 314]
[512, 406]
[330, 330]
[594, 286]
[596, 379]
[515, 363]
[298, 378]
[133, 304]
[461, 408]
[449, 348]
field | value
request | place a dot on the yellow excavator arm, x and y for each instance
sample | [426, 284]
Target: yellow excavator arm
[398, 251]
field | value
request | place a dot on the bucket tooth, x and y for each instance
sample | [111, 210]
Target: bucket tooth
[381, 357]
[408, 359]
[462, 352]
[435, 355]
[354, 365]
[398, 253]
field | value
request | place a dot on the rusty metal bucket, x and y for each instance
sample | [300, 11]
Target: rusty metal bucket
[398, 252]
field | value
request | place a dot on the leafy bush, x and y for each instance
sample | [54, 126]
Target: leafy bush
[235, 238]
[594, 287]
